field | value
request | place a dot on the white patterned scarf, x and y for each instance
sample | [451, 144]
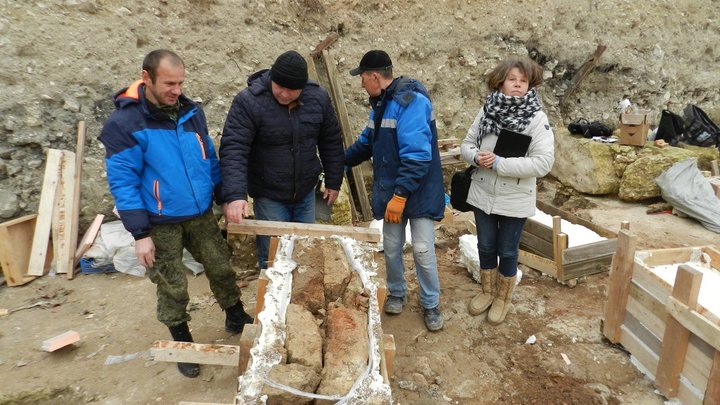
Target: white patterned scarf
[512, 113]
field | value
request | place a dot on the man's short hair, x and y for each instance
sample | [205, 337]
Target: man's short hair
[529, 67]
[153, 59]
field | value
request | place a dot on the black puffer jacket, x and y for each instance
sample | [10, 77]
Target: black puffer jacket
[269, 150]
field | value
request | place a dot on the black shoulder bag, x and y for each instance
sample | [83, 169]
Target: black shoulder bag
[459, 188]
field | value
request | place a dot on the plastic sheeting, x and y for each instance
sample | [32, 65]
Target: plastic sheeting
[688, 191]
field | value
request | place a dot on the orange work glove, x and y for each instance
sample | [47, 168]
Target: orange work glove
[394, 209]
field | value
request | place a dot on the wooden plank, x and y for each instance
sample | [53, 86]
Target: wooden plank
[675, 339]
[388, 348]
[188, 352]
[278, 228]
[621, 271]
[41, 237]
[64, 205]
[381, 296]
[570, 217]
[60, 341]
[247, 341]
[447, 143]
[712, 391]
[599, 264]
[640, 350]
[451, 157]
[75, 208]
[262, 283]
[694, 322]
[536, 262]
[312, 71]
[638, 327]
[659, 257]
[539, 230]
[89, 238]
[358, 180]
[16, 238]
[201, 403]
[715, 168]
[648, 309]
[536, 245]
[272, 250]
[589, 251]
[560, 245]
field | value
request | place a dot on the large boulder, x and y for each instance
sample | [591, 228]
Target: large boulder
[638, 181]
[584, 165]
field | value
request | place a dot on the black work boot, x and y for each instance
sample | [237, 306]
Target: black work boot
[236, 318]
[181, 333]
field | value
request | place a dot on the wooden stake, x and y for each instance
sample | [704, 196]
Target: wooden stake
[247, 340]
[621, 271]
[75, 209]
[41, 237]
[584, 71]
[676, 337]
[262, 283]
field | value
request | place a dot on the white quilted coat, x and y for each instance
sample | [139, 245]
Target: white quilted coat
[510, 190]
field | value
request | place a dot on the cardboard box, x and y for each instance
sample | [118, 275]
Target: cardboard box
[634, 128]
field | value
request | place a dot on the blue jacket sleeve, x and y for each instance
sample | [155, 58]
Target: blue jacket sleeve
[414, 145]
[124, 163]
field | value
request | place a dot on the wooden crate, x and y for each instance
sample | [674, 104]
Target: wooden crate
[16, 237]
[671, 336]
[545, 248]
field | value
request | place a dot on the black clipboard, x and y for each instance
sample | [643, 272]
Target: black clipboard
[512, 144]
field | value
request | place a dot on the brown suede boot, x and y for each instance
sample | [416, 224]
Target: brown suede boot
[482, 301]
[501, 303]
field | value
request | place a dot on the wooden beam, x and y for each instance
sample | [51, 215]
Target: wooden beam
[621, 271]
[329, 40]
[75, 208]
[341, 109]
[589, 251]
[247, 340]
[41, 237]
[675, 339]
[278, 228]
[388, 348]
[312, 70]
[539, 229]
[570, 217]
[715, 169]
[188, 352]
[532, 243]
[89, 238]
[16, 238]
[60, 341]
[62, 217]
[584, 71]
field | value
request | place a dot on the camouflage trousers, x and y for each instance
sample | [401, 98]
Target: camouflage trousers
[201, 236]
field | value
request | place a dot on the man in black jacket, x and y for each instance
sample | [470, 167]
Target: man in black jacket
[273, 134]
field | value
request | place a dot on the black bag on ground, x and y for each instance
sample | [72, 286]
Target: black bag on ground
[700, 130]
[459, 188]
[671, 128]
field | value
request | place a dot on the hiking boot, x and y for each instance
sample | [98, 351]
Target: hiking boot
[236, 318]
[181, 333]
[394, 305]
[433, 319]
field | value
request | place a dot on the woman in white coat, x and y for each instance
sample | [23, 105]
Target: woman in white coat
[503, 188]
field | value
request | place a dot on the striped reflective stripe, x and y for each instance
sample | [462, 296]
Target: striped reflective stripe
[388, 123]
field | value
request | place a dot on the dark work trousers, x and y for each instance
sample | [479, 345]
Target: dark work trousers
[201, 236]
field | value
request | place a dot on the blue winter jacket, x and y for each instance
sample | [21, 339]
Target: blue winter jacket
[402, 141]
[159, 170]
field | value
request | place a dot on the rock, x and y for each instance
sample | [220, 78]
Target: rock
[584, 165]
[338, 276]
[303, 343]
[308, 289]
[71, 104]
[8, 204]
[638, 181]
[300, 377]
[86, 6]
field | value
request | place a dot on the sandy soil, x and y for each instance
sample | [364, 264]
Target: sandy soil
[468, 362]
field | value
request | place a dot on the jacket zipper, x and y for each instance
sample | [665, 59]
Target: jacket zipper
[202, 145]
[156, 191]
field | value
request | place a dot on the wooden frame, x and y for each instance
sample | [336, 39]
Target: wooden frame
[16, 239]
[663, 326]
[546, 248]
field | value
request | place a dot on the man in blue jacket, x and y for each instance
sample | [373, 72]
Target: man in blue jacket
[163, 172]
[281, 132]
[401, 139]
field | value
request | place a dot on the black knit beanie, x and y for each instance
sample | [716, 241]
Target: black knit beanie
[290, 70]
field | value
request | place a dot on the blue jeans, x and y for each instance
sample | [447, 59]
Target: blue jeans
[498, 236]
[423, 244]
[271, 210]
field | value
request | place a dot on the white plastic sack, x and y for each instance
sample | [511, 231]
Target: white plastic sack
[116, 245]
[687, 190]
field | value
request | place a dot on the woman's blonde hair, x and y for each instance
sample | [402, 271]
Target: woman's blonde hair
[529, 67]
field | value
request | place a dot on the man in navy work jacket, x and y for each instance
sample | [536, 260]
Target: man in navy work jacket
[401, 139]
[273, 134]
[163, 172]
